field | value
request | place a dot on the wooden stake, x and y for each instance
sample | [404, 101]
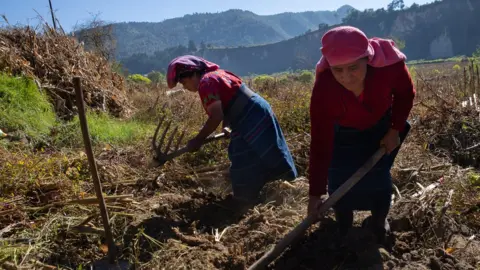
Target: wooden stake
[93, 170]
[53, 16]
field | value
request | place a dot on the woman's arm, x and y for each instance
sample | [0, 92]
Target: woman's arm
[321, 145]
[403, 95]
[215, 113]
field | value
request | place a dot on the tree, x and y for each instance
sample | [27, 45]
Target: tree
[191, 46]
[396, 5]
[98, 37]
[322, 26]
[399, 43]
[477, 52]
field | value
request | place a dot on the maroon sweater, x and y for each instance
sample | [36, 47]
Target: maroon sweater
[332, 104]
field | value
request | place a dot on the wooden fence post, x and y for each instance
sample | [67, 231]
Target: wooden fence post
[93, 170]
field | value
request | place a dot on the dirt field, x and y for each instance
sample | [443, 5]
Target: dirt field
[181, 216]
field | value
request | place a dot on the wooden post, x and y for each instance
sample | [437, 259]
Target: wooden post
[93, 170]
[53, 16]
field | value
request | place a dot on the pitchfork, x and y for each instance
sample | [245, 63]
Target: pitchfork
[162, 156]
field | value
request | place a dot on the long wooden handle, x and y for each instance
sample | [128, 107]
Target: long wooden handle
[154, 163]
[300, 229]
[184, 150]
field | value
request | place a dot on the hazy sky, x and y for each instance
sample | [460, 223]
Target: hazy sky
[70, 12]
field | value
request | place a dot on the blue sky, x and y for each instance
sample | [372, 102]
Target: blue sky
[70, 12]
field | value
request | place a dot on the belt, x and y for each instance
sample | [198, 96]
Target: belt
[240, 100]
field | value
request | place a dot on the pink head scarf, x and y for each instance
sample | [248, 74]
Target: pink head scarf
[186, 63]
[346, 44]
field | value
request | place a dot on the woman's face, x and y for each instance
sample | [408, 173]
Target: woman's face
[351, 75]
[190, 83]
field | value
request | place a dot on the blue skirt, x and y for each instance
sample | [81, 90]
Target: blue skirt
[258, 150]
[352, 148]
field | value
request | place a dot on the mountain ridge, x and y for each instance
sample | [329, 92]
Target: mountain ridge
[231, 28]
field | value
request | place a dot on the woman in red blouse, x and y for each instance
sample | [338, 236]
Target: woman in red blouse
[258, 150]
[361, 100]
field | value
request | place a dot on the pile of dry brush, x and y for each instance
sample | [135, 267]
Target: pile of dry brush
[53, 59]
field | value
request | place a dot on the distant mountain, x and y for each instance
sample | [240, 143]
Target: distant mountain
[231, 28]
[438, 30]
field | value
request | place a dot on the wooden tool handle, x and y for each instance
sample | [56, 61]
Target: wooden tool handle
[184, 149]
[300, 229]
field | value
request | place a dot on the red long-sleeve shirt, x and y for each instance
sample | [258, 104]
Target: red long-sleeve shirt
[331, 103]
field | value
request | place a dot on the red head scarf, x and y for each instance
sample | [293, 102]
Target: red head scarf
[186, 63]
[346, 44]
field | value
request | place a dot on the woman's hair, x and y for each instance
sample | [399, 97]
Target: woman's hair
[188, 74]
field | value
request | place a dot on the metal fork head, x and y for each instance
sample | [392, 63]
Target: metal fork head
[162, 156]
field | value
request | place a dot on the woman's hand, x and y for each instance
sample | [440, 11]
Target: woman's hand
[314, 204]
[194, 144]
[391, 140]
[226, 129]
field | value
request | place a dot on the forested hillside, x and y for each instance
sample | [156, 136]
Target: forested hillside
[231, 28]
[437, 30]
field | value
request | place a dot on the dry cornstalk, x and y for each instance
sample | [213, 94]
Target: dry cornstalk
[213, 173]
[190, 240]
[210, 168]
[87, 220]
[447, 204]
[398, 191]
[218, 236]
[424, 190]
[89, 230]
[7, 212]
[122, 198]
[43, 265]
[116, 198]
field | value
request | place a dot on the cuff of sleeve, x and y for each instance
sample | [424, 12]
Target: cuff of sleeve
[317, 192]
[398, 125]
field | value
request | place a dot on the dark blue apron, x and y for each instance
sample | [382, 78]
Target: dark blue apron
[352, 148]
[258, 150]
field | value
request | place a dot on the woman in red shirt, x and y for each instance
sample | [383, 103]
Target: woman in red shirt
[361, 100]
[258, 150]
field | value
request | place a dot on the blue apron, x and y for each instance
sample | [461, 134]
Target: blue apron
[352, 148]
[258, 150]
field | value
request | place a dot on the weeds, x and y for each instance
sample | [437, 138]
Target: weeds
[23, 107]
[103, 129]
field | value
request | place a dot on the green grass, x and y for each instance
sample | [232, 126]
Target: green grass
[24, 108]
[103, 129]
[451, 59]
[474, 180]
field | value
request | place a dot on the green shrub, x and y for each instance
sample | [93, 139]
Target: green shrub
[139, 79]
[24, 108]
[156, 77]
[413, 73]
[263, 80]
[306, 76]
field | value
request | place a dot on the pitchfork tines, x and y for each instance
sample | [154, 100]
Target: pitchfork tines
[165, 155]
[162, 156]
